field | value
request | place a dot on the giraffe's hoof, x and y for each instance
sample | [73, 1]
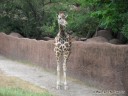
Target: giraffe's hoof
[66, 87]
[58, 87]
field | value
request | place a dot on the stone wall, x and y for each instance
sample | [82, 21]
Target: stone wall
[102, 64]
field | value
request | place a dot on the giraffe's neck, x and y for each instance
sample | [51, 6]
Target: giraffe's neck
[61, 31]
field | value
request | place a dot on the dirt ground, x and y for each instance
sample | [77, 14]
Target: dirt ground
[47, 80]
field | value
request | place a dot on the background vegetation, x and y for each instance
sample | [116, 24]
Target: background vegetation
[37, 18]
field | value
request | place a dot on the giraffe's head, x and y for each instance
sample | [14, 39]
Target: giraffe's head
[62, 19]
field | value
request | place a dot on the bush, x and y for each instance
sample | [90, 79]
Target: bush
[125, 30]
[82, 24]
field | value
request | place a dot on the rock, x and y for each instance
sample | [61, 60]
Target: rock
[83, 39]
[115, 41]
[47, 38]
[74, 37]
[16, 35]
[75, 7]
[97, 39]
[104, 33]
[121, 37]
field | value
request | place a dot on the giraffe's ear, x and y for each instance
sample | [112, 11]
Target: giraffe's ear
[66, 15]
[56, 15]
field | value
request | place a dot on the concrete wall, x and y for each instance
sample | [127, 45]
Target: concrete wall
[103, 64]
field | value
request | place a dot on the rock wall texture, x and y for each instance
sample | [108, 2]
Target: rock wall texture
[100, 64]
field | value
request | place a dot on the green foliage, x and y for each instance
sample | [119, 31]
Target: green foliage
[112, 14]
[38, 18]
[108, 16]
[125, 30]
[82, 24]
[23, 16]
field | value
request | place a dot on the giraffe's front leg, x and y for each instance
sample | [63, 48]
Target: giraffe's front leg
[58, 70]
[58, 76]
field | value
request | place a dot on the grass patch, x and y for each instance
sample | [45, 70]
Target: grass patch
[21, 92]
[12, 86]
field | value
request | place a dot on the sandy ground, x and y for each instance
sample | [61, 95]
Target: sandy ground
[47, 80]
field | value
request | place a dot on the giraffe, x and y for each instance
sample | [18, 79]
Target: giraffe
[62, 49]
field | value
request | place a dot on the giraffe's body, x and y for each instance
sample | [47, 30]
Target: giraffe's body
[62, 43]
[62, 48]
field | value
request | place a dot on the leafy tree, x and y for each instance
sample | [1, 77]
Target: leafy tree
[37, 18]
